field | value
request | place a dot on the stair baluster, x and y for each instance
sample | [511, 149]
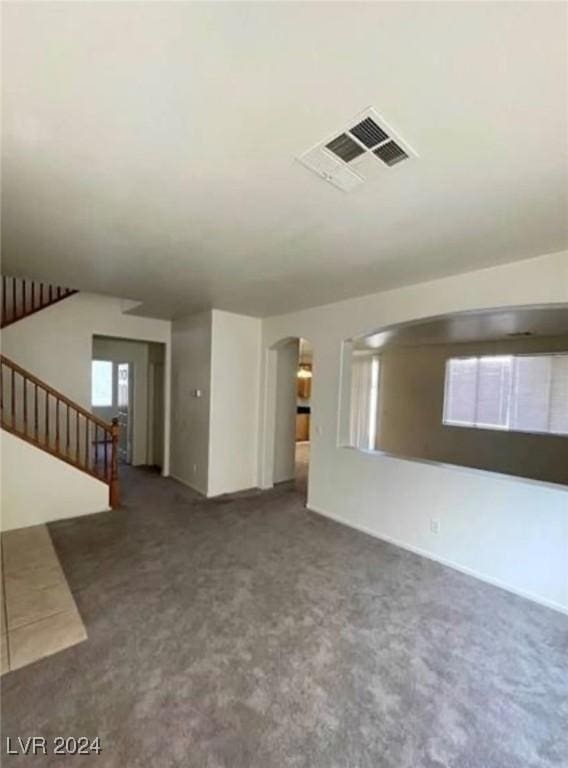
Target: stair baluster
[22, 394]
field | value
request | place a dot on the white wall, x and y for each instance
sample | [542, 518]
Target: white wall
[191, 370]
[286, 408]
[502, 529]
[214, 438]
[37, 487]
[235, 373]
[56, 344]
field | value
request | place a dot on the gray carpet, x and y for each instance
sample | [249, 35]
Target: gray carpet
[247, 632]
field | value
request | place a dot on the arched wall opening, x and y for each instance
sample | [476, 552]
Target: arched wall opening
[484, 390]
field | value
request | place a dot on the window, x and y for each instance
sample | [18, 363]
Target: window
[523, 393]
[101, 383]
[364, 397]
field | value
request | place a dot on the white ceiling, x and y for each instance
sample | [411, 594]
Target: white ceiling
[149, 149]
[465, 327]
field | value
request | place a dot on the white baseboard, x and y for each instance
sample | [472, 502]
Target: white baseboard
[424, 553]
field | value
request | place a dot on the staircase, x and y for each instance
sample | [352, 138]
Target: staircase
[44, 417]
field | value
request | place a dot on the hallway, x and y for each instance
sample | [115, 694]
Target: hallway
[247, 632]
[302, 468]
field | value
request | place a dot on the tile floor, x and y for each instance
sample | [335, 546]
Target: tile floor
[38, 613]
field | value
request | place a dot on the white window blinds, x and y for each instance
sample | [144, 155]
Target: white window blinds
[525, 393]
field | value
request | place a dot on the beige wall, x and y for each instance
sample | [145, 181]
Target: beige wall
[411, 399]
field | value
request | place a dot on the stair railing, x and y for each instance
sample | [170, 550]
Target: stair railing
[21, 297]
[39, 414]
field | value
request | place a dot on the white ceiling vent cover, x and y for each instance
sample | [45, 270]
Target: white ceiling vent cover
[367, 140]
[331, 169]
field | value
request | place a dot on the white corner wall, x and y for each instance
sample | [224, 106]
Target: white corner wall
[235, 374]
[214, 436]
[56, 344]
[37, 487]
[508, 531]
[191, 371]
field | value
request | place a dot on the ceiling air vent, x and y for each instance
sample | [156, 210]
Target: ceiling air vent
[390, 153]
[351, 155]
[331, 169]
[369, 133]
[345, 148]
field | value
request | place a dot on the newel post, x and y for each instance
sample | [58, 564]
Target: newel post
[114, 493]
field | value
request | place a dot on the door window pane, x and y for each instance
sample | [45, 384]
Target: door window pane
[123, 371]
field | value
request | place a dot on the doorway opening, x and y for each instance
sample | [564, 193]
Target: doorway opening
[127, 383]
[289, 427]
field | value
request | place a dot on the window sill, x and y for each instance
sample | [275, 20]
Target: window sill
[505, 430]
[457, 468]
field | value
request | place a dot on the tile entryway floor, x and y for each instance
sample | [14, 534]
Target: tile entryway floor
[38, 613]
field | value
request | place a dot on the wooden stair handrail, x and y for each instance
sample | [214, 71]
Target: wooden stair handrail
[60, 432]
[22, 297]
[55, 393]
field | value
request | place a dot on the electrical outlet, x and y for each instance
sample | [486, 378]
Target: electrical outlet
[434, 525]
[194, 469]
